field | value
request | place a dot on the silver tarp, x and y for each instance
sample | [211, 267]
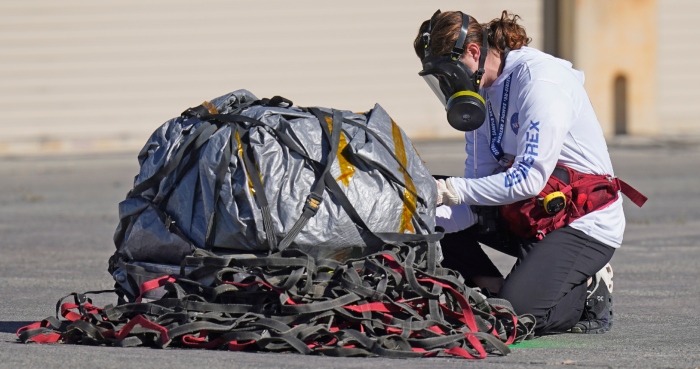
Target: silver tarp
[167, 222]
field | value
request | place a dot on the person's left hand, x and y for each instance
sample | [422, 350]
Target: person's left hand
[446, 193]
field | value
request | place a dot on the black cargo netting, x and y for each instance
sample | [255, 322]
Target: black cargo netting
[384, 304]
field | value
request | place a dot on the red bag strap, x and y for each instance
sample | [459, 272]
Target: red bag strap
[629, 191]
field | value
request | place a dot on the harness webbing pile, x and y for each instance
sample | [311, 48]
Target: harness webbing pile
[390, 303]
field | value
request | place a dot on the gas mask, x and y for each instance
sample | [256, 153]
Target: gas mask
[453, 83]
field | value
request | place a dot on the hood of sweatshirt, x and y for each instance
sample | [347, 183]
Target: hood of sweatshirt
[528, 55]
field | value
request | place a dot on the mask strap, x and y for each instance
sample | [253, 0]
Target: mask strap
[482, 59]
[458, 49]
[426, 34]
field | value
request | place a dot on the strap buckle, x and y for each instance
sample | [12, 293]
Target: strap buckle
[200, 112]
[313, 201]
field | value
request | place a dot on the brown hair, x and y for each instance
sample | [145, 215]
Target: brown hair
[503, 33]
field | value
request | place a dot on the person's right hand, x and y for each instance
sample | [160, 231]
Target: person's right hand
[446, 193]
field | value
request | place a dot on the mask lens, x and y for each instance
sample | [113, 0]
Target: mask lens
[434, 84]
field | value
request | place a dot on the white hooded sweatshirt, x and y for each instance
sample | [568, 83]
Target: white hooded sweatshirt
[547, 120]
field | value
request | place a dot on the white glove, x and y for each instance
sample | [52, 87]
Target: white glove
[446, 193]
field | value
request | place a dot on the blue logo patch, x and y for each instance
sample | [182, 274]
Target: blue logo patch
[514, 124]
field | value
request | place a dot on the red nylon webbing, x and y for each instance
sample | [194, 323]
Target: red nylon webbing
[458, 351]
[378, 307]
[240, 284]
[463, 303]
[235, 346]
[43, 337]
[140, 320]
[200, 342]
[46, 338]
[35, 325]
[153, 284]
[634, 195]
[73, 316]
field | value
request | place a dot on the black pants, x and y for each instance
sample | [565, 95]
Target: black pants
[549, 277]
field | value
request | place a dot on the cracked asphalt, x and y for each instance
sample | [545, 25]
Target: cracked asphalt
[58, 214]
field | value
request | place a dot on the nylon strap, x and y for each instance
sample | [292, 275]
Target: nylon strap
[378, 305]
[396, 301]
[637, 197]
[315, 198]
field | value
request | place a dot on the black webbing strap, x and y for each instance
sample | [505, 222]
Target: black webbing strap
[254, 176]
[190, 146]
[390, 152]
[385, 237]
[198, 111]
[277, 101]
[383, 143]
[193, 142]
[255, 179]
[235, 304]
[345, 203]
[326, 179]
[221, 171]
[313, 201]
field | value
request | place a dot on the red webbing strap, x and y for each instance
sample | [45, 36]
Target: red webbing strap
[379, 307]
[511, 339]
[393, 264]
[73, 316]
[259, 282]
[512, 336]
[46, 338]
[40, 336]
[467, 312]
[458, 351]
[468, 319]
[327, 324]
[140, 320]
[153, 284]
[635, 196]
[436, 329]
[236, 346]
[200, 342]
[36, 325]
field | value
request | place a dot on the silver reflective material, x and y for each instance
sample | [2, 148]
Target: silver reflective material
[365, 170]
[434, 85]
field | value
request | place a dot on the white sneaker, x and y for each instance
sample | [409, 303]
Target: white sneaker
[605, 274]
[597, 314]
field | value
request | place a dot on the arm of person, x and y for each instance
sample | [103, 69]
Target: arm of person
[479, 163]
[455, 218]
[547, 113]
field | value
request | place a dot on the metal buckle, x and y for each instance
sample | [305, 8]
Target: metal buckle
[313, 201]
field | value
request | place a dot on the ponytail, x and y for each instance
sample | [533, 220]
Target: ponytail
[506, 33]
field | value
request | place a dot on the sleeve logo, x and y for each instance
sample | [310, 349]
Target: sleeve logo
[518, 172]
[514, 124]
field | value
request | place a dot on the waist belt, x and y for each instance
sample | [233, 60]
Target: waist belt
[579, 194]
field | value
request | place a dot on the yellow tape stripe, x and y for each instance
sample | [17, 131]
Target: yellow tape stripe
[347, 170]
[409, 202]
[240, 155]
[212, 109]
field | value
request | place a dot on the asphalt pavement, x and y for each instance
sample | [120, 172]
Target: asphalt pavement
[58, 215]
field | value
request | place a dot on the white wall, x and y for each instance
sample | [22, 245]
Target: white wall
[85, 71]
[678, 73]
